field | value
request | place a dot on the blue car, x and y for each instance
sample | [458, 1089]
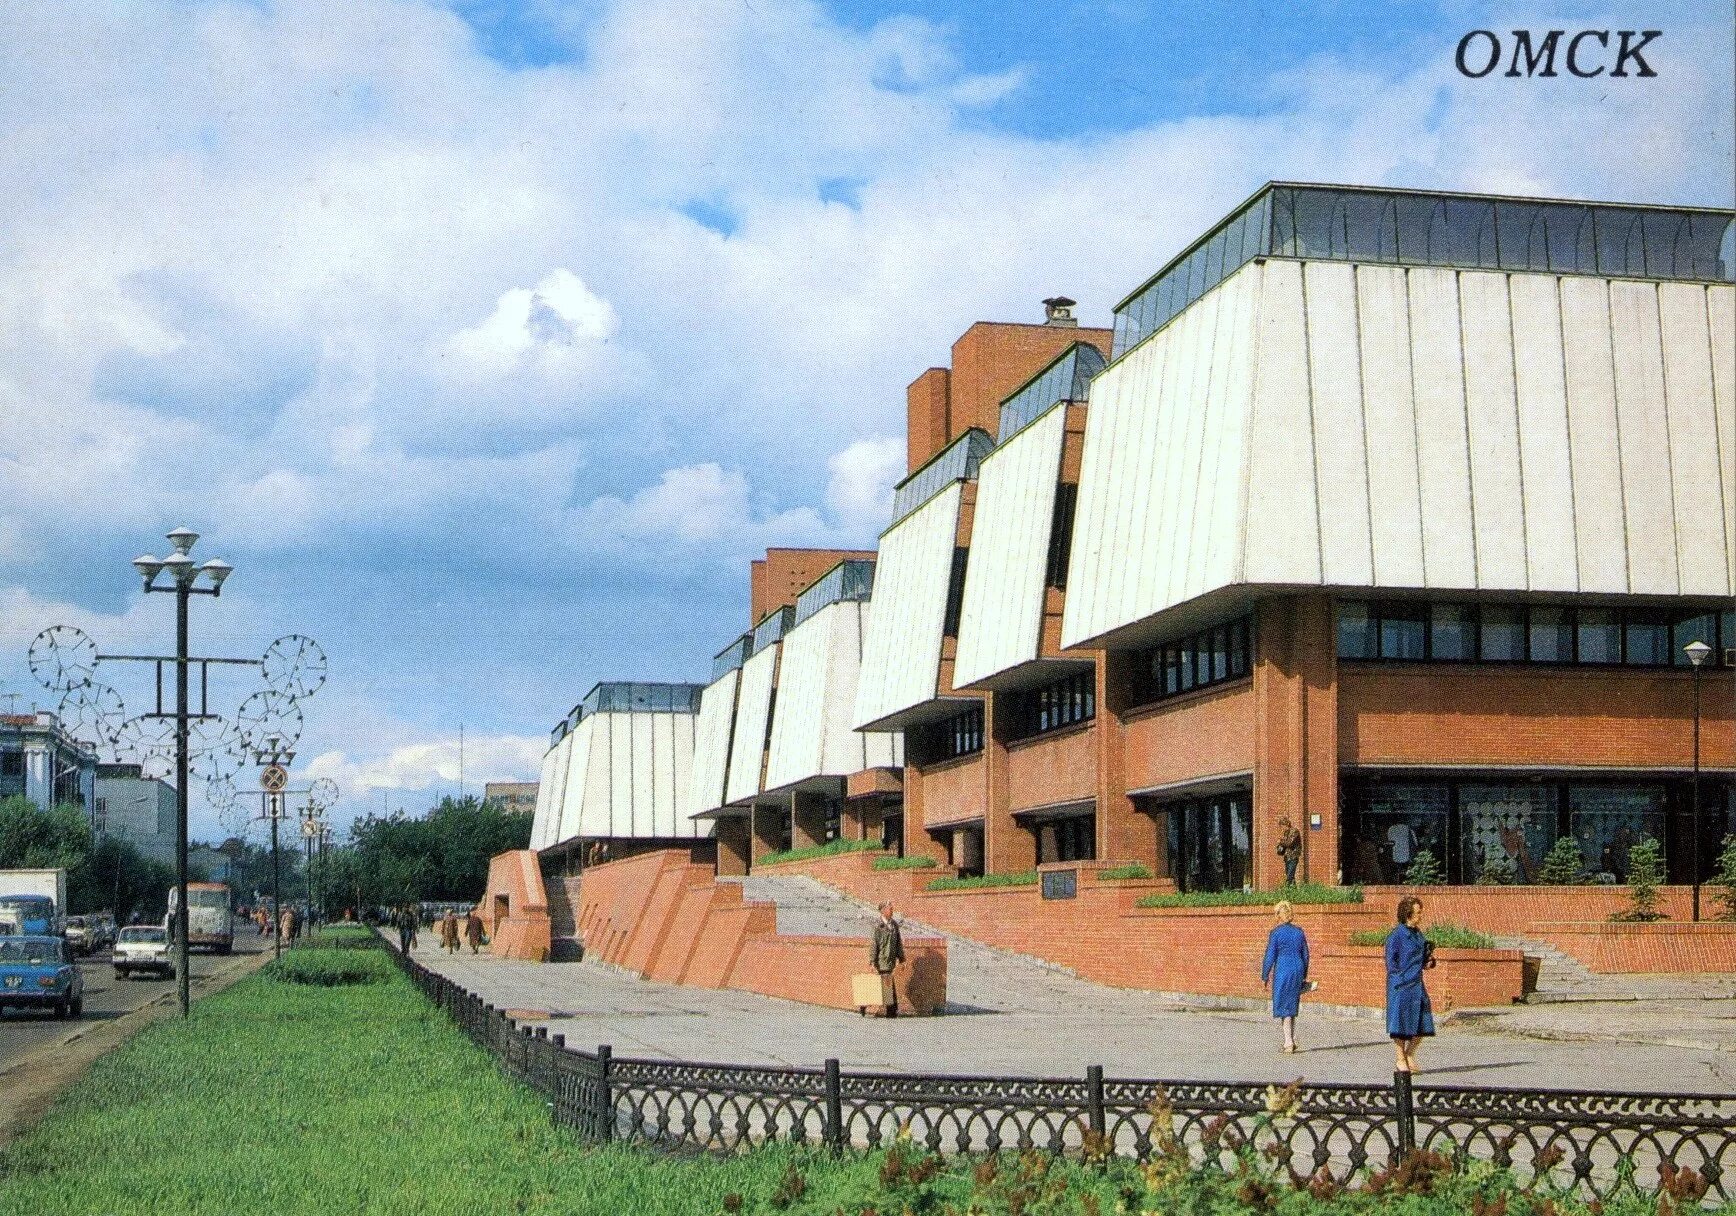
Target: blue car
[38, 973]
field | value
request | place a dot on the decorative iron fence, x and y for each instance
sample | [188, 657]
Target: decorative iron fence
[1584, 1143]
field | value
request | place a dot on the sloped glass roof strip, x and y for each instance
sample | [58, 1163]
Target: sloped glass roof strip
[1068, 378]
[731, 657]
[630, 697]
[1418, 228]
[773, 628]
[852, 579]
[957, 461]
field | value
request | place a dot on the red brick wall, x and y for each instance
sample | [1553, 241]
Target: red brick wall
[1052, 769]
[950, 791]
[1511, 911]
[786, 573]
[1645, 948]
[1356, 975]
[926, 430]
[1497, 715]
[667, 919]
[1198, 735]
[992, 358]
[524, 933]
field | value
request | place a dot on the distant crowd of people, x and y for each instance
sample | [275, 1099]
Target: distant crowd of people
[408, 921]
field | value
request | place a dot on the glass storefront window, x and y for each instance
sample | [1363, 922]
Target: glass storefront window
[1356, 638]
[1453, 632]
[1393, 824]
[1551, 635]
[1505, 831]
[1210, 842]
[1599, 635]
[1648, 639]
[1700, 628]
[1608, 820]
[1503, 634]
[1403, 628]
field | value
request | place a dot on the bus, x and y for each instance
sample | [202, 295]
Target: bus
[208, 918]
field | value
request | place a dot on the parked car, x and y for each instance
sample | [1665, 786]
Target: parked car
[81, 934]
[37, 972]
[143, 948]
[105, 931]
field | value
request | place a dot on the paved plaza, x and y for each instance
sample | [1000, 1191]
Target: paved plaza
[1016, 1016]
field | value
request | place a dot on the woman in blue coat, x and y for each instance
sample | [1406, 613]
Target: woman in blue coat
[1286, 969]
[1409, 1019]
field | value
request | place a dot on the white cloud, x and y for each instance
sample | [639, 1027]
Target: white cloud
[556, 324]
[859, 490]
[429, 765]
[693, 506]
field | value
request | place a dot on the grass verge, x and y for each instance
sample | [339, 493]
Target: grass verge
[1301, 893]
[830, 849]
[903, 863]
[1446, 935]
[1016, 878]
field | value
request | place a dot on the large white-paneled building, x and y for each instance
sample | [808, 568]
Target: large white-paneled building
[615, 773]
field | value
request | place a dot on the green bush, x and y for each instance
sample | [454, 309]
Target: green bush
[1498, 872]
[1564, 865]
[1425, 870]
[903, 863]
[1302, 893]
[344, 938]
[831, 849]
[1020, 878]
[1131, 870]
[1724, 879]
[1645, 874]
[330, 968]
[1445, 934]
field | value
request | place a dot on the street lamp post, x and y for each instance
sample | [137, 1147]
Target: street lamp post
[183, 574]
[1698, 652]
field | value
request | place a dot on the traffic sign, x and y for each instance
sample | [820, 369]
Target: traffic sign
[273, 779]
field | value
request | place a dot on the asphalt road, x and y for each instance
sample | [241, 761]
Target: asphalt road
[105, 997]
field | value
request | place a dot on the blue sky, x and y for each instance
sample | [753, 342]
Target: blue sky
[490, 340]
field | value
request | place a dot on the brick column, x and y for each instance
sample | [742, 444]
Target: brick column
[733, 844]
[1296, 735]
[768, 823]
[1123, 834]
[808, 825]
[917, 840]
[1007, 847]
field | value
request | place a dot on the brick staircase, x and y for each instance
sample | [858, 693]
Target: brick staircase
[1564, 978]
[565, 945]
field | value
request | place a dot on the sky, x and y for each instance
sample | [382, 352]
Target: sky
[489, 341]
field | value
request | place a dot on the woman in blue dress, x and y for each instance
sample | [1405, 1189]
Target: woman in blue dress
[1286, 969]
[1409, 1018]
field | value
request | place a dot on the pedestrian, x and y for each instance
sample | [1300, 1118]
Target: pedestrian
[415, 919]
[1409, 1018]
[473, 931]
[1289, 848]
[406, 928]
[1286, 970]
[286, 925]
[449, 932]
[885, 952]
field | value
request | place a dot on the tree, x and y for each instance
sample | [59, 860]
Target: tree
[100, 873]
[1564, 865]
[443, 855]
[31, 838]
[1645, 873]
[1424, 870]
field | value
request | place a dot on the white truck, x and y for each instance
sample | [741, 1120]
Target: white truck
[32, 901]
[209, 921]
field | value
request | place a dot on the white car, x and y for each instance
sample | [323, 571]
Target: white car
[143, 948]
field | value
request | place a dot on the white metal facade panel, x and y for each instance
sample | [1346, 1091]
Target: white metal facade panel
[545, 822]
[1282, 530]
[1340, 444]
[1390, 420]
[1492, 422]
[752, 712]
[1001, 623]
[1540, 384]
[1443, 455]
[901, 657]
[1645, 437]
[1593, 436]
[812, 732]
[626, 771]
[711, 739]
[1721, 316]
[578, 776]
[1697, 478]
[1216, 555]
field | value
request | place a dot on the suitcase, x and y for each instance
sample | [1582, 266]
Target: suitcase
[870, 989]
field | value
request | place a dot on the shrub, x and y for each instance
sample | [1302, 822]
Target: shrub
[1564, 866]
[1425, 870]
[903, 863]
[1725, 879]
[1498, 872]
[1302, 893]
[352, 938]
[1645, 873]
[1446, 934]
[1132, 870]
[330, 968]
[1020, 878]
[830, 849]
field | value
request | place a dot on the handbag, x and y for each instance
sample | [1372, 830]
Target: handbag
[1428, 954]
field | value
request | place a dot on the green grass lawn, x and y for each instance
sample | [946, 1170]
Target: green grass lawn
[280, 1096]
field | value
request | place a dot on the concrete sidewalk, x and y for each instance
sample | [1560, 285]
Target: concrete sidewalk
[1064, 1024]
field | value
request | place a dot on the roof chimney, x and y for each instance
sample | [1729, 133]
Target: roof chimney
[1058, 310]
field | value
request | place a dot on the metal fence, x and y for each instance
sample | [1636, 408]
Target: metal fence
[1589, 1144]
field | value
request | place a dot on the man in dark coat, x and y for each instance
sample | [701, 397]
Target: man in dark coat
[473, 931]
[885, 952]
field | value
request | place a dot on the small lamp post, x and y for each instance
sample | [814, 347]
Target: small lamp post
[183, 574]
[1698, 652]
